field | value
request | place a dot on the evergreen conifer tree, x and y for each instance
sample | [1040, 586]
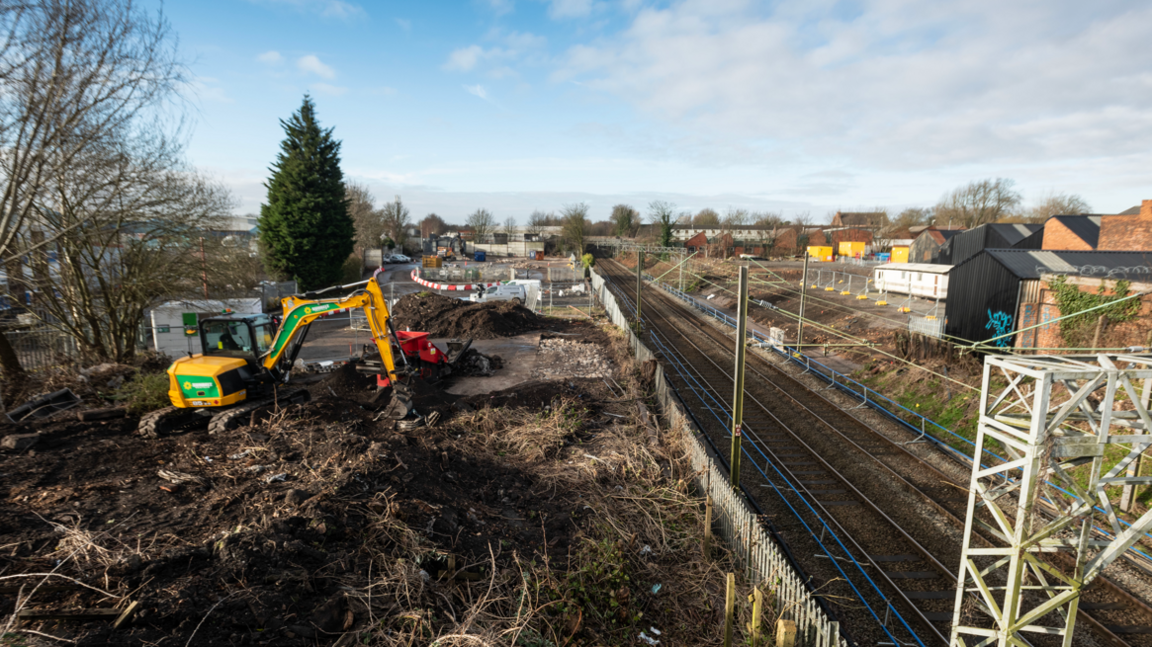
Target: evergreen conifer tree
[306, 232]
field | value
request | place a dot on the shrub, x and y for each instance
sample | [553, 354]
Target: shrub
[144, 392]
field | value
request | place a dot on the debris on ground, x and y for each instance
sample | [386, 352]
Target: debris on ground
[571, 357]
[473, 363]
[45, 405]
[442, 316]
[323, 524]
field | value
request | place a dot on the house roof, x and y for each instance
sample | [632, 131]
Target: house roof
[1086, 228]
[1134, 211]
[1031, 263]
[866, 219]
[941, 236]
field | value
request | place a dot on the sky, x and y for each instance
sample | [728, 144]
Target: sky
[792, 107]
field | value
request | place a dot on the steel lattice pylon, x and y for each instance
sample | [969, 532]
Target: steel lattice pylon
[1056, 418]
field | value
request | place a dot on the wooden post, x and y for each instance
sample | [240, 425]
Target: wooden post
[757, 611]
[1099, 327]
[738, 394]
[785, 633]
[729, 609]
[708, 527]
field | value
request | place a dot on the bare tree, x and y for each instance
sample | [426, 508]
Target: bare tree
[625, 220]
[481, 222]
[432, 224]
[575, 227]
[663, 215]
[74, 76]
[510, 227]
[1056, 204]
[537, 222]
[369, 220]
[912, 217]
[129, 211]
[802, 219]
[977, 203]
[735, 218]
[396, 220]
[706, 219]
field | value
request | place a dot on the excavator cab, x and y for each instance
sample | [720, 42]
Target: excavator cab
[244, 336]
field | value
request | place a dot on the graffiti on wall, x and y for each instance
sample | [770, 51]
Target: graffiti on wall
[1000, 324]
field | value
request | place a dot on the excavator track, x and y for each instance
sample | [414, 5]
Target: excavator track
[168, 420]
[239, 415]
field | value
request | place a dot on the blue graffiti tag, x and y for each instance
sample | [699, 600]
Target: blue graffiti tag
[1001, 324]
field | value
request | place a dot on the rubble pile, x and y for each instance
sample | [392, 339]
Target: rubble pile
[571, 357]
[442, 316]
[476, 364]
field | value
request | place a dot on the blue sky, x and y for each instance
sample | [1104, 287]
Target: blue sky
[515, 105]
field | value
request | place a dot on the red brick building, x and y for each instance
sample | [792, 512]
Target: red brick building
[1072, 232]
[872, 220]
[1127, 232]
[838, 236]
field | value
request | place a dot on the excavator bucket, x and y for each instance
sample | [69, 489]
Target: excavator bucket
[401, 404]
[456, 349]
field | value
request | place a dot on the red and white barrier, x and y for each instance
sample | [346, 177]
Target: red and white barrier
[464, 287]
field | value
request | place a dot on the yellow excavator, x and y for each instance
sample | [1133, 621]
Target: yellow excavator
[247, 361]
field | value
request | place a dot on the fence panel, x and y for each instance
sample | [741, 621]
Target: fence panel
[42, 348]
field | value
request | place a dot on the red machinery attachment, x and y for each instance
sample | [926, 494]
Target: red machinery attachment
[430, 362]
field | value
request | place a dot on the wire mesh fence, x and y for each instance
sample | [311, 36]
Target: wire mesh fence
[42, 347]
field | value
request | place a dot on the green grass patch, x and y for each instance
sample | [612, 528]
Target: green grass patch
[144, 392]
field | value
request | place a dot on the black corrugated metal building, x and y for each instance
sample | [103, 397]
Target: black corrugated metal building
[984, 291]
[969, 243]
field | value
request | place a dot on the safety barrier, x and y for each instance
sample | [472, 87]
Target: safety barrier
[761, 558]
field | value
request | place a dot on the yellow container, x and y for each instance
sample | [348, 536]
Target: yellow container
[433, 261]
[851, 249]
[900, 254]
[820, 253]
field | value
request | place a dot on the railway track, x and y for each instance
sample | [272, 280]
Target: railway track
[896, 518]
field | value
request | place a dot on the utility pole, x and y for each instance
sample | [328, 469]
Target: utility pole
[803, 291]
[203, 268]
[682, 269]
[738, 395]
[639, 282]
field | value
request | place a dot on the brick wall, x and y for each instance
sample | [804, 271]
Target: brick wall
[1132, 233]
[850, 235]
[785, 242]
[817, 238]
[1057, 236]
[1045, 309]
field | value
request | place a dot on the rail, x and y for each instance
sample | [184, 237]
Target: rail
[926, 428]
[758, 552]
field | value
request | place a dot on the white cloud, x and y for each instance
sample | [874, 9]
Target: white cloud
[464, 59]
[501, 7]
[570, 8]
[311, 64]
[327, 89]
[270, 57]
[406, 25]
[327, 8]
[516, 46]
[208, 88]
[477, 91]
[895, 84]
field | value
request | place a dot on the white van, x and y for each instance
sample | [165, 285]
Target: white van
[503, 292]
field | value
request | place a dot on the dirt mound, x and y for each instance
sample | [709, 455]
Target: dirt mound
[449, 317]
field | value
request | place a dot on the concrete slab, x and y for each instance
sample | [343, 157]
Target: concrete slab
[520, 358]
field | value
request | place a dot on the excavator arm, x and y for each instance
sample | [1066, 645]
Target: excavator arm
[302, 310]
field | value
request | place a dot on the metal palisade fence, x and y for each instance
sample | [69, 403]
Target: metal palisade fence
[42, 347]
[763, 561]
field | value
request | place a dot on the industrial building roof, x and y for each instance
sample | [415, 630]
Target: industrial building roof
[1086, 228]
[1031, 263]
[931, 268]
[1013, 233]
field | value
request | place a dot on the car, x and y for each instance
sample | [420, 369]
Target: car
[400, 258]
[387, 258]
[503, 292]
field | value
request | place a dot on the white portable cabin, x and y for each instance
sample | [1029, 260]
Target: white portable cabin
[175, 324]
[916, 279]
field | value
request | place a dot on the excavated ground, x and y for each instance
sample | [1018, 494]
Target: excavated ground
[443, 316]
[326, 525]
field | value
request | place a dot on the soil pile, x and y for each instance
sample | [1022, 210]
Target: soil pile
[449, 317]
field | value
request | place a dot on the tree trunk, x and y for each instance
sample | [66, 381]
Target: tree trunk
[9, 362]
